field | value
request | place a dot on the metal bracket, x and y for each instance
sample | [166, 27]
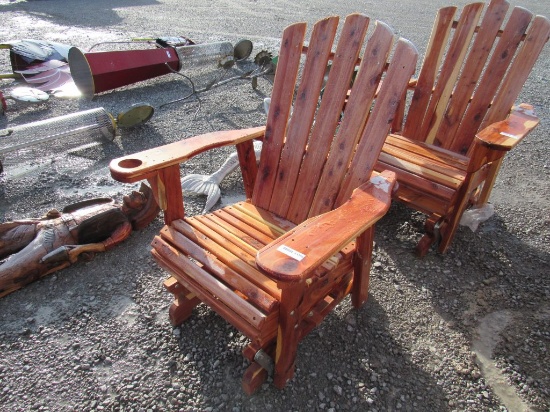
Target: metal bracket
[265, 361]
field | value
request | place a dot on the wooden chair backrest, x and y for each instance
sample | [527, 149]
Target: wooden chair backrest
[472, 78]
[313, 156]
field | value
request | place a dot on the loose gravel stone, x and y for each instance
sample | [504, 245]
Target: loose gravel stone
[96, 336]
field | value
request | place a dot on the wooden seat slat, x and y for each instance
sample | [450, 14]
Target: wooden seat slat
[230, 220]
[421, 200]
[419, 170]
[205, 285]
[435, 153]
[223, 310]
[255, 226]
[233, 257]
[217, 268]
[440, 169]
[276, 223]
[217, 240]
[420, 184]
[261, 337]
[231, 233]
[257, 220]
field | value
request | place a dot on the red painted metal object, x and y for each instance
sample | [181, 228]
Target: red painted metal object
[96, 72]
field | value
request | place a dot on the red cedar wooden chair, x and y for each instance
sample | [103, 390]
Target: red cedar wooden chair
[275, 265]
[448, 150]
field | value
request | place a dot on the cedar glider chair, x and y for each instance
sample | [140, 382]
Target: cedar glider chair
[447, 150]
[276, 264]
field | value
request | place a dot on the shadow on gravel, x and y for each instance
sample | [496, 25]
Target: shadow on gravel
[484, 273]
[367, 368]
[103, 12]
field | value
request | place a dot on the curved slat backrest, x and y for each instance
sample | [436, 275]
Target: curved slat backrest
[473, 80]
[306, 157]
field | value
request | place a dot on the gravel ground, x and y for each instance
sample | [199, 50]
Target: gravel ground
[468, 330]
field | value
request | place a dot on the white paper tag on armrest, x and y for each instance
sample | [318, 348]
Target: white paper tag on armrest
[380, 183]
[294, 254]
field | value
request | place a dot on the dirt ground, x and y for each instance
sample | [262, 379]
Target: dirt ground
[469, 330]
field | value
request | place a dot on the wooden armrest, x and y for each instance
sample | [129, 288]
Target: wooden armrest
[142, 165]
[296, 254]
[506, 134]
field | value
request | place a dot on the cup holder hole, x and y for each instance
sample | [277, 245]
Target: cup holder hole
[130, 163]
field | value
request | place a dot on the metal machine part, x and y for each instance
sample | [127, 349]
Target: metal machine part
[22, 94]
[96, 72]
[242, 49]
[38, 141]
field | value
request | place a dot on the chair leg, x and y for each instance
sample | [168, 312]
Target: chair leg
[430, 237]
[288, 335]
[361, 268]
[447, 235]
[450, 226]
[448, 230]
[261, 366]
[489, 182]
[184, 302]
[254, 377]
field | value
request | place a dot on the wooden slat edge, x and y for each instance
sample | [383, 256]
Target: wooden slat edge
[218, 269]
[205, 286]
[137, 166]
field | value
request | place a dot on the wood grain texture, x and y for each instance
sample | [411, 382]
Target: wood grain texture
[378, 125]
[305, 105]
[536, 38]
[507, 134]
[328, 115]
[248, 165]
[456, 130]
[430, 67]
[142, 165]
[450, 70]
[471, 72]
[318, 239]
[170, 194]
[490, 82]
[275, 265]
[279, 112]
[358, 105]
[209, 262]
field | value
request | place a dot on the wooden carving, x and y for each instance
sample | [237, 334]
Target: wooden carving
[34, 248]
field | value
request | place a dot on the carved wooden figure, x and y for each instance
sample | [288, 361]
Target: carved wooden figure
[275, 265]
[460, 123]
[34, 248]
